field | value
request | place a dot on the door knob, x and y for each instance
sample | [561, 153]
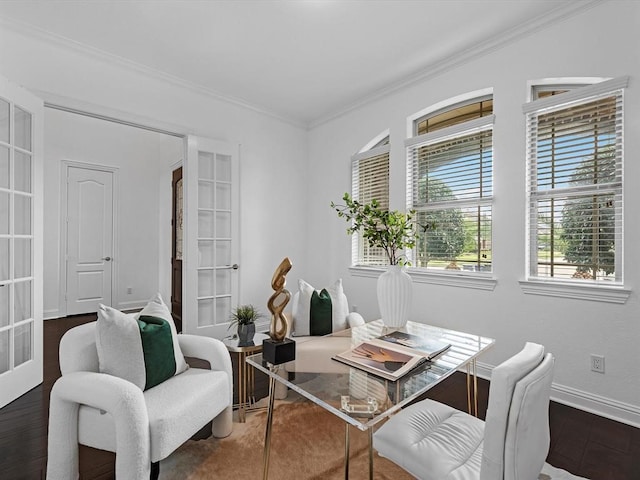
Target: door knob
[235, 266]
[107, 259]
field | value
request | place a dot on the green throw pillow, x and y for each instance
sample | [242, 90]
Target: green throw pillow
[320, 313]
[157, 346]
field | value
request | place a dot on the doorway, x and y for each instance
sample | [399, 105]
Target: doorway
[177, 236]
[141, 162]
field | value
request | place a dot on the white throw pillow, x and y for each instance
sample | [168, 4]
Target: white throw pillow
[305, 319]
[142, 348]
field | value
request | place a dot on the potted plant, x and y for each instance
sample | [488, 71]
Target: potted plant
[392, 231]
[244, 318]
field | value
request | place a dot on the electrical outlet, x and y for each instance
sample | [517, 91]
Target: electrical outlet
[129, 290]
[597, 363]
[354, 308]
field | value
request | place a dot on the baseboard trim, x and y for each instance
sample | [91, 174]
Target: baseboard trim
[597, 404]
[132, 305]
[588, 402]
[51, 314]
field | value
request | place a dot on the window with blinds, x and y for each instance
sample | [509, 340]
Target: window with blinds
[574, 149]
[370, 181]
[450, 186]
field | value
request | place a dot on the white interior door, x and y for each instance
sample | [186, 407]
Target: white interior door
[21, 225]
[210, 265]
[89, 237]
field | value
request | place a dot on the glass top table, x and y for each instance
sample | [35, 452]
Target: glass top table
[362, 399]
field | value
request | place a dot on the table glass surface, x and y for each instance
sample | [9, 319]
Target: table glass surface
[334, 379]
[233, 343]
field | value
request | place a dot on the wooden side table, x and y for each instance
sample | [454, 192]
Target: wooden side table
[246, 373]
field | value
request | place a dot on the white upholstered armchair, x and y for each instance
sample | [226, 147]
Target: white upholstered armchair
[433, 441]
[142, 427]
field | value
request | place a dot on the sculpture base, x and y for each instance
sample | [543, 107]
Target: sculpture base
[278, 352]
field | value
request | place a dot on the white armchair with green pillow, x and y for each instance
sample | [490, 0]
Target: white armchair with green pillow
[126, 388]
[317, 313]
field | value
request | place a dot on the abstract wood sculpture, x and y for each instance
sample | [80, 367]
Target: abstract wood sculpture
[279, 300]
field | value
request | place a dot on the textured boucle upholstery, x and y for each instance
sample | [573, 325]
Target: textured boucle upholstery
[110, 413]
[122, 399]
[175, 410]
[433, 441]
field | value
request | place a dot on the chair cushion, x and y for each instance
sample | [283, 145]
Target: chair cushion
[433, 441]
[177, 409]
[142, 348]
[319, 312]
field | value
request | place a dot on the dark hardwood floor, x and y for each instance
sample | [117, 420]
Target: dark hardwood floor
[582, 443]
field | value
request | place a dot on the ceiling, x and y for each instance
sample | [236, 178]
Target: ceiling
[301, 60]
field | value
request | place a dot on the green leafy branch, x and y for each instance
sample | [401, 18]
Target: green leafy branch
[392, 231]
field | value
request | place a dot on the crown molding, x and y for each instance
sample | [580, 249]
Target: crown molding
[96, 53]
[564, 11]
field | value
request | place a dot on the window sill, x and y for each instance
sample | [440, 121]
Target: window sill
[598, 293]
[476, 281]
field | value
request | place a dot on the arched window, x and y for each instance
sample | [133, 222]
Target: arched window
[369, 181]
[450, 186]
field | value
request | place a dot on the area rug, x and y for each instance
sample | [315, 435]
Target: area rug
[307, 443]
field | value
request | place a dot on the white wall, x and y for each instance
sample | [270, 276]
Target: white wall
[601, 42]
[272, 158]
[142, 159]
[284, 213]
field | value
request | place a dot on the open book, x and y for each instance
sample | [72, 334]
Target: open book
[392, 356]
[428, 347]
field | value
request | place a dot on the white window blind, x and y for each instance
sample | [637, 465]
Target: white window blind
[574, 150]
[450, 186]
[370, 181]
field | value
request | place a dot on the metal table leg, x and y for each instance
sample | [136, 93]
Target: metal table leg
[346, 451]
[370, 432]
[242, 387]
[472, 403]
[347, 448]
[267, 435]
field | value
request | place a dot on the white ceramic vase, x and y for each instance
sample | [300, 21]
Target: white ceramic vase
[395, 291]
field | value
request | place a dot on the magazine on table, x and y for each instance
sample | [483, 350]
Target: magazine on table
[391, 356]
[429, 347]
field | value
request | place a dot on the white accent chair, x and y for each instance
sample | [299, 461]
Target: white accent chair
[433, 441]
[109, 413]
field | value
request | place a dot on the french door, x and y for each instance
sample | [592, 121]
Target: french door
[21, 225]
[211, 236]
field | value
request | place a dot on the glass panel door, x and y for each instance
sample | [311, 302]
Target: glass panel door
[211, 236]
[20, 242]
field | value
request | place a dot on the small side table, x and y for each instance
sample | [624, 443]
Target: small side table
[246, 373]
